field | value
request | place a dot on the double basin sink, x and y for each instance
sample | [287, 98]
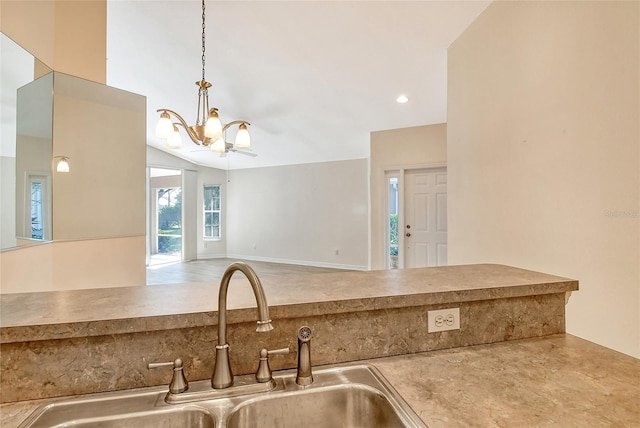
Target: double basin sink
[345, 396]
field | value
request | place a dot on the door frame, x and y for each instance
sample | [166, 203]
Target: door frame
[399, 171]
[151, 212]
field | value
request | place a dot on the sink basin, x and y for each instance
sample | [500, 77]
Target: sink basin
[343, 396]
[340, 406]
[145, 408]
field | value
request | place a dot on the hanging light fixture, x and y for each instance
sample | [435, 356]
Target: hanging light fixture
[208, 130]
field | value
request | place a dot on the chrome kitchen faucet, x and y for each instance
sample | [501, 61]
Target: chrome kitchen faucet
[222, 374]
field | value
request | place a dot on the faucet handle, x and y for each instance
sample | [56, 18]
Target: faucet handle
[179, 382]
[264, 371]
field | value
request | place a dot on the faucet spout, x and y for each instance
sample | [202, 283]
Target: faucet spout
[222, 374]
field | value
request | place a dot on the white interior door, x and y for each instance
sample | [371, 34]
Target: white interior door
[425, 229]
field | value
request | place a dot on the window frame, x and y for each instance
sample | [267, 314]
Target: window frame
[213, 211]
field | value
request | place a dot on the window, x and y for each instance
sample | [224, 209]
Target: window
[37, 222]
[212, 211]
[393, 222]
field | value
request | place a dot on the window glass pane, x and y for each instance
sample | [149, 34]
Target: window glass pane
[169, 244]
[393, 223]
[36, 210]
[211, 208]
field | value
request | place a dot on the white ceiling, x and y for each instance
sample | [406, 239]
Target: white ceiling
[16, 70]
[312, 78]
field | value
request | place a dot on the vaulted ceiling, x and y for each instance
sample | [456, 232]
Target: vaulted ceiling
[313, 78]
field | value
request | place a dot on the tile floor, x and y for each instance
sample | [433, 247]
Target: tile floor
[213, 269]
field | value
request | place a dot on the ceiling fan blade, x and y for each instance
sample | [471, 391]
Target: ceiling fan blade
[253, 155]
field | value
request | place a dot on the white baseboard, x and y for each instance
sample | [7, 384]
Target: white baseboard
[287, 261]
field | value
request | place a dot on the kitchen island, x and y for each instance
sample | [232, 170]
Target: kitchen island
[85, 341]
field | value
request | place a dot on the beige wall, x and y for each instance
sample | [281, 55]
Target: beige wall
[7, 202]
[543, 158]
[300, 214]
[72, 265]
[103, 132]
[405, 148]
[67, 36]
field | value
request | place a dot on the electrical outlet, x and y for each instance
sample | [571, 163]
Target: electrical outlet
[443, 320]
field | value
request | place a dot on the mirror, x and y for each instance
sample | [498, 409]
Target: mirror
[91, 124]
[33, 161]
[17, 69]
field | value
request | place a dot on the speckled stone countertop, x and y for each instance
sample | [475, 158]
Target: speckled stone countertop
[554, 381]
[81, 313]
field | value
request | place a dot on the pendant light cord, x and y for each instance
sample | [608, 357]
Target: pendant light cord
[203, 38]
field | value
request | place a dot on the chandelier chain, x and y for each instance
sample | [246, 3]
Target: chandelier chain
[208, 130]
[203, 38]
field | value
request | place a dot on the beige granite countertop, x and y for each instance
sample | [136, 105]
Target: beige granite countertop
[80, 313]
[554, 381]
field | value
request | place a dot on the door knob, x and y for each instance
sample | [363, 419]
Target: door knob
[407, 234]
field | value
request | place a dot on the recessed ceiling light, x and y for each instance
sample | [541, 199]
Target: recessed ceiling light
[402, 99]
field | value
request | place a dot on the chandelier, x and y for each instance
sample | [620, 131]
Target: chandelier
[208, 130]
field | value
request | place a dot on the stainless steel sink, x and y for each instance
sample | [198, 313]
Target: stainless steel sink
[344, 396]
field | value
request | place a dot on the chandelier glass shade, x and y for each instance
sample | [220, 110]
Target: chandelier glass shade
[208, 130]
[174, 141]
